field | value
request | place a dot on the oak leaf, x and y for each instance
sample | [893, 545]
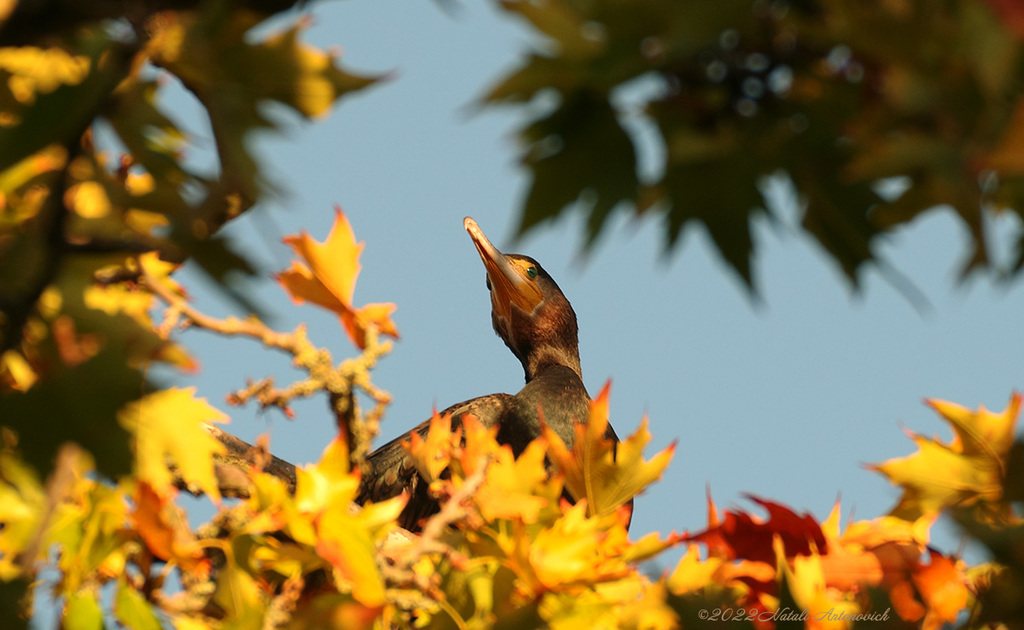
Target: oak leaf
[327, 277]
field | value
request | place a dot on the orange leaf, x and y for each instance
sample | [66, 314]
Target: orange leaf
[480, 445]
[327, 278]
[943, 590]
[162, 526]
[606, 474]
[515, 488]
[433, 454]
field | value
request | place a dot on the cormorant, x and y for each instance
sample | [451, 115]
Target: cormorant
[537, 323]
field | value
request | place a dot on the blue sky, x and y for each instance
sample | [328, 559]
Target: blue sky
[786, 398]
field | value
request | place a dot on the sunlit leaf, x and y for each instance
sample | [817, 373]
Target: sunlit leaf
[327, 278]
[963, 473]
[164, 528]
[83, 612]
[606, 474]
[432, 453]
[132, 609]
[169, 423]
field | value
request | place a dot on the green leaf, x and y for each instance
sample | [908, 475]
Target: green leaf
[132, 609]
[11, 608]
[233, 77]
[61, 115]
[82, 613]
[79, 404]
[579, 152]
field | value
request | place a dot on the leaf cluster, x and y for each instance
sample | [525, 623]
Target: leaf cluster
[93, 457]
[873, 113]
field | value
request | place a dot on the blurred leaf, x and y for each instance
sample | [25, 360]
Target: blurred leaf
[83, 612]
[89, 531]
[835, 97]
[515, 489]
[22, 500]
[743, 535]
[580, 152]
[169, 423]
[232, 75]
[132, 609]
[431, 454]
[164, 528]
[79, 404]
[64, 99]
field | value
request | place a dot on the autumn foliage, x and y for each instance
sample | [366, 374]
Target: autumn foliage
[94, 457]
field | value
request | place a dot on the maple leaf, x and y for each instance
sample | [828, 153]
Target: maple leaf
[322, 517]
[22, 504]
[432, 454]
[164, 528]
[327, 278]
[744, 536]
[966, 472]
[327, 482]
[169, 423]
[887, 552]
[516, 488]
[576, 549]
[89, 530]
[479, 446]
[805, 580]
[597, 469]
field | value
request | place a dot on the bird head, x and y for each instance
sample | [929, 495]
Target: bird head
[529, 312]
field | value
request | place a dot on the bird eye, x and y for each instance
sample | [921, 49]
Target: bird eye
[531, 272]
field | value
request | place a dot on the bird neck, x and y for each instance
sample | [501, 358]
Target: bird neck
[544, 357]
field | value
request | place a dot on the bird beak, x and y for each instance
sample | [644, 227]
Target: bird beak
[509, 283]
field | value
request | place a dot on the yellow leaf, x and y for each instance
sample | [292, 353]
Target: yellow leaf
[693, 574]
[22, 505]
[481, 443]
[169, 424]
[88, 200]
[16, 372]
[575, 550]
[605, 474]
[328, 482]
[982, 432]
[40, 70]
[806, 581]
[515, 488]
[327, 278]
[966, 472]
[350, 548]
